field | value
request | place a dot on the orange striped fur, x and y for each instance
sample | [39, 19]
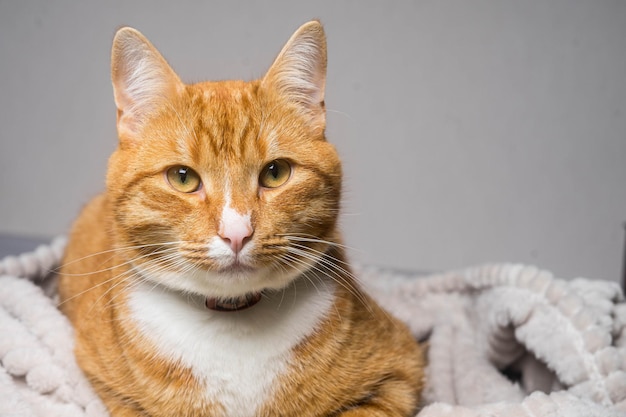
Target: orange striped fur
[150, 259]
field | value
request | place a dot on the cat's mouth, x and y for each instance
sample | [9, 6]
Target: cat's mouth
[236, 267]
[233, 304]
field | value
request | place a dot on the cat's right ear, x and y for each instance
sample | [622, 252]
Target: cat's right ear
[142, 81]
[299, 72]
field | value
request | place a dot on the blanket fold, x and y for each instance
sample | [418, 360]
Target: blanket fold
[503, 340]
[561, 344]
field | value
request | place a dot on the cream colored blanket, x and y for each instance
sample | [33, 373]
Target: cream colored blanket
[504, 340]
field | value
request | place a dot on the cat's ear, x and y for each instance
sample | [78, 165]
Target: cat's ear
[299, 71]
[142, 80]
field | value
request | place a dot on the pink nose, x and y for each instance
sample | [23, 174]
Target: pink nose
[235, 233]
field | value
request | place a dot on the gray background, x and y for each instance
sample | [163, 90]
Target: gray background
[471, 131]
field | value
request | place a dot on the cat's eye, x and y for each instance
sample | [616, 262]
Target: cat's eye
[275, 174]
[183, 179]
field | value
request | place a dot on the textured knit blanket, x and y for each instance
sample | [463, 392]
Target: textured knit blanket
[503, 340]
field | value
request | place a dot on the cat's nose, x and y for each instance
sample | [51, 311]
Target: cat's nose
[235, 233]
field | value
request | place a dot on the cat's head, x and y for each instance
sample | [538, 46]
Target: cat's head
[223, 188]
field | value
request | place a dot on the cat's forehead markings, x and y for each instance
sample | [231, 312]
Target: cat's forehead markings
[208, 94]
[230, 214]
[236, 95]
[271, 139]
[223, 93]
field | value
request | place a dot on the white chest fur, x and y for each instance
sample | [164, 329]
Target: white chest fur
[237, 355]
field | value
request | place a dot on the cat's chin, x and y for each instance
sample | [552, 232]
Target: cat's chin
[236, 269]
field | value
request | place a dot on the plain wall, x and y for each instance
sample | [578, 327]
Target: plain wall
[471, 131]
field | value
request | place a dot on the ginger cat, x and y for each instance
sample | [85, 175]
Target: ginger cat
[209, 279]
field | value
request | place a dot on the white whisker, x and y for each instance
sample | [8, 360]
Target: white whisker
[129, 262]
[314, 239]
[124, 248]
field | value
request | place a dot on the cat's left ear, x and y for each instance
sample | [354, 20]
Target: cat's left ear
[299, 72]
[142, 81]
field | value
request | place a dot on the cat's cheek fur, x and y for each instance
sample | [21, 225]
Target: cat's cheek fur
[235, 356]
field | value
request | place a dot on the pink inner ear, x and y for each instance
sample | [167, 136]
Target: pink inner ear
[127, 124]
[142, 79]
[125, 129]
[299, 71]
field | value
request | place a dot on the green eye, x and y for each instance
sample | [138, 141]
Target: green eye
[275, 174]
[183, 179]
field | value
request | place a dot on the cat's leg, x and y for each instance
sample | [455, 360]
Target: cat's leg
[120, 407]
[395, 398]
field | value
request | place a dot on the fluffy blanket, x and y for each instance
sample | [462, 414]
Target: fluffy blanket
[503, 340]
